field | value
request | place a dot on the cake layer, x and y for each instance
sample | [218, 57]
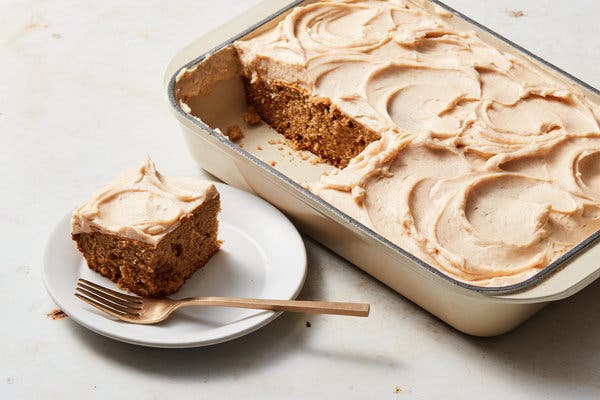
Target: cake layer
[486, 166]
[309, 122]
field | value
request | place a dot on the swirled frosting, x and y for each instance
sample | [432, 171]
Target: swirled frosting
[488, 166]
[141, 204]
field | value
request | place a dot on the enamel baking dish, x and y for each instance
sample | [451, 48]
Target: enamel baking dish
[264, 165]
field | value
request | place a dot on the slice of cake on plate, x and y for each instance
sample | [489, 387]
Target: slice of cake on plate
[148, 233]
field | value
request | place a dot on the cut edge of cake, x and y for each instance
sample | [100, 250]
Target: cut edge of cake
[310, 122]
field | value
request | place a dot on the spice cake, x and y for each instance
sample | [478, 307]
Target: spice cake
[477, 161]
[148, 233]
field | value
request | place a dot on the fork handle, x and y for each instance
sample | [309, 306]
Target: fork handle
[316, 307]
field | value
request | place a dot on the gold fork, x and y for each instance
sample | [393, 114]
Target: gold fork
[144, 310]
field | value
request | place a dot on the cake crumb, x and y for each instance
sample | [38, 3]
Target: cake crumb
[516, 13]
[271, 141]
[258, 147]
[234, 133]
[33, 25]
[397, 390]
[315, 161]
[308, 324]
[23, 270]
[56, 314]
[273, 163]
[251, 116]
[279, 148]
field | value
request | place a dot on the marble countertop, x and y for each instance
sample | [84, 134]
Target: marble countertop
[81, 97]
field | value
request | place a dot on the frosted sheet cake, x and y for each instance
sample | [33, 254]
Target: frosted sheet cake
[474, 160]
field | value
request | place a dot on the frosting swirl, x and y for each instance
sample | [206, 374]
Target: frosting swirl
[141, 204]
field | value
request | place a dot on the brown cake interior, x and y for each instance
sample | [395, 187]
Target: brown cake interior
[155, 271]
[310, 122]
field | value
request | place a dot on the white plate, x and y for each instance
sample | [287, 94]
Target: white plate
[262, 256]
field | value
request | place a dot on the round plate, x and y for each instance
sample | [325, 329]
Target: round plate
[262, 256]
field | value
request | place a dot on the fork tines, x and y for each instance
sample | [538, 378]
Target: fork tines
[110, 301]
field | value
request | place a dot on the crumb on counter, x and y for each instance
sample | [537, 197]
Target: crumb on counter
[308, 324]
[234, 133]
[397, 390]
[56, 314]
[516, 13]
[251, 116]
[273, 163]
[259, 148]
[279, 148]
[271, 141]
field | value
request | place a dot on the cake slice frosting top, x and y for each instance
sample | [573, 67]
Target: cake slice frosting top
[141, 204]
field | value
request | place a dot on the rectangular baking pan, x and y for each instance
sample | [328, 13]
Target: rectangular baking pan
[208, 66]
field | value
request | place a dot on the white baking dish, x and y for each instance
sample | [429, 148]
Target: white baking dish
[219, 102]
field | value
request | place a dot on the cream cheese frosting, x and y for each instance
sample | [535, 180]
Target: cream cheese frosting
[141, 204]
[488, 167]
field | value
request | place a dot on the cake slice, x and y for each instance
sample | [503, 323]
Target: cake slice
[148, 233]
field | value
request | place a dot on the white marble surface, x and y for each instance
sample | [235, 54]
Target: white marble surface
[81, 97]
